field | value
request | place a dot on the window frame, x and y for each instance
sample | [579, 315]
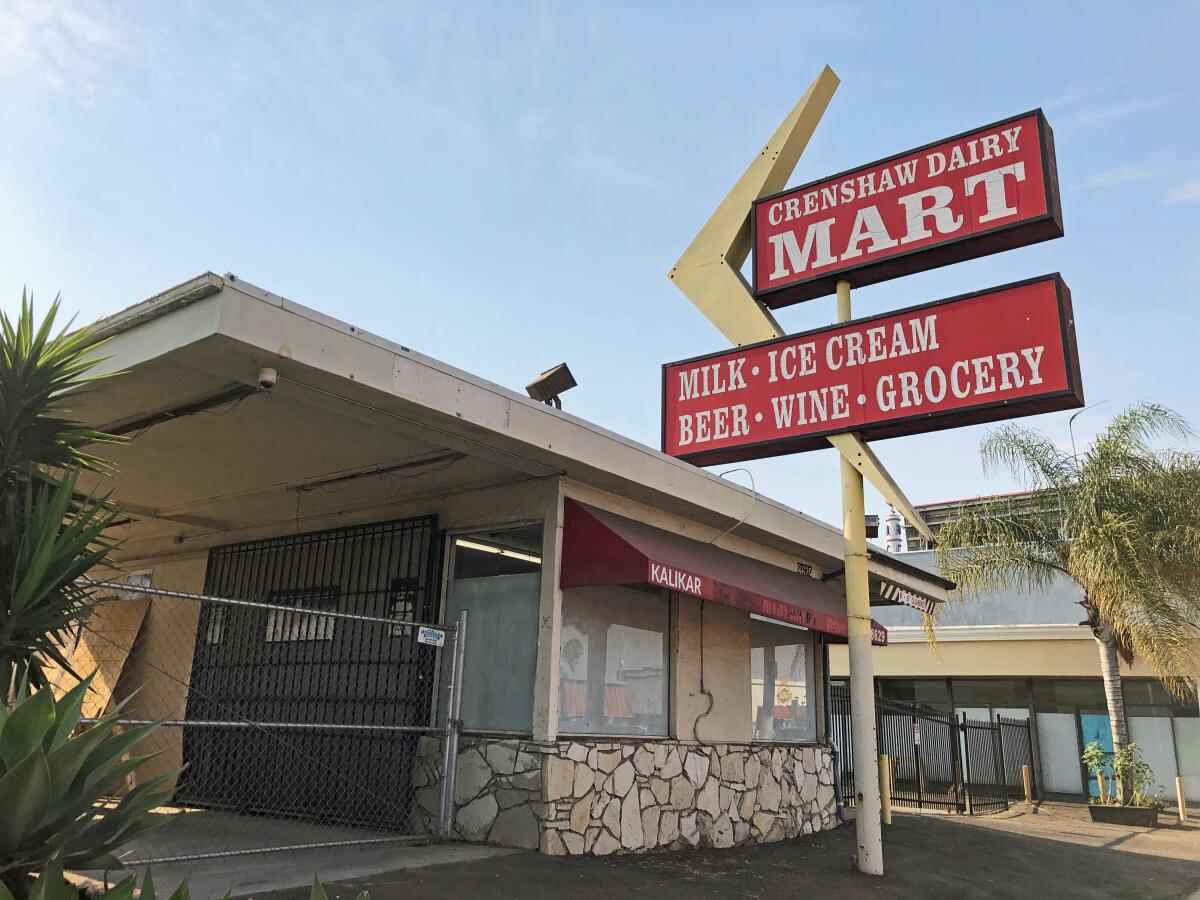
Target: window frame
[450, 537]
[668, 675]
[814, 690]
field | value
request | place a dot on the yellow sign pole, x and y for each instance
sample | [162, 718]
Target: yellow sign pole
[708, 273]
[868, 831]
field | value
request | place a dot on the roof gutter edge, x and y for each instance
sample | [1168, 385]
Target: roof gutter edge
[174, 298]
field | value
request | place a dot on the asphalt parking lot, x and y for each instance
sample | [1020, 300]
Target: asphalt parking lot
[1053, 854]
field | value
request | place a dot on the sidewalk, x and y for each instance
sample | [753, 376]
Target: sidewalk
[1015, 855]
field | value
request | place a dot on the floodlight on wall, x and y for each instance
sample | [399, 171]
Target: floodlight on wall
[547, 386]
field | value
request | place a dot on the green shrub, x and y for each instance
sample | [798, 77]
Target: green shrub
[53, 779]
[1125, 767]
[1132, 769]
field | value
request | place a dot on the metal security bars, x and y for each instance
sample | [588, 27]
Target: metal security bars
[938, 760]
[296, 696]
[983, 766]
[1016, 750]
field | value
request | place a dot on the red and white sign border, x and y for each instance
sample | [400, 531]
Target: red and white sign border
[919, 259]
[918, 423]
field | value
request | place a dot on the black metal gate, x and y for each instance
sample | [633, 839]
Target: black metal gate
[937, 760]
[332, 697]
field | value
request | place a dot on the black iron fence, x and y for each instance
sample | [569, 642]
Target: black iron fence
[937, 760]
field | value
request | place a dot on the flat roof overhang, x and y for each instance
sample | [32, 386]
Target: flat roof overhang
[602, 548]
[343, 392]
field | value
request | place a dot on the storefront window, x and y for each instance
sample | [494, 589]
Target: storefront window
[781, 682]
[1064, 694]
[496, 577]
[613, 662]
[927, 692]
[985, 694]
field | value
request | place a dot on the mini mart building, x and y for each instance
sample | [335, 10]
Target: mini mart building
[628, 613]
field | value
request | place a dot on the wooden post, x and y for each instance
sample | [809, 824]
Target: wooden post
[1100, 786]
[1027, 778]
[1180, 799]
[886, 789]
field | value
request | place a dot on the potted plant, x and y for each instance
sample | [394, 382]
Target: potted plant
[1116, 773]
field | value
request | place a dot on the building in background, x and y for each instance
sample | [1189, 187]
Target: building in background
[644, 662]
[1027, 655]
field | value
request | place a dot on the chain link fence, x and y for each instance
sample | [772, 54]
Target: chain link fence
[298, 706]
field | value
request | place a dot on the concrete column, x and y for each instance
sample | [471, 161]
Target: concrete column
[545, 682]
[718, 637]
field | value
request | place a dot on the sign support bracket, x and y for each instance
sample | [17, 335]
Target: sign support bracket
[708, 273]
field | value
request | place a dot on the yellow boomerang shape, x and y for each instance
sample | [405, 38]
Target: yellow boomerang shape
[709, 272]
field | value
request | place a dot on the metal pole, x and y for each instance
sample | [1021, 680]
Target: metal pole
[868, 830]
[966, 747]
[253, 604]
[263, 726]
[998, 762]
[956, 754]
[918, 763]
[453, 725]
[885, 789]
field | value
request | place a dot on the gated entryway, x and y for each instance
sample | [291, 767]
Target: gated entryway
[938, 760]
[297, 692]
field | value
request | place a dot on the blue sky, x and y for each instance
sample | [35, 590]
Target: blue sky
[504, 186]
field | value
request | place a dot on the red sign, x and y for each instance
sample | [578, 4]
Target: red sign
[981, 192]
[996, 354]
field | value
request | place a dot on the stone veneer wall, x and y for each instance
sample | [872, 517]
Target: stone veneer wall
[497, 790]
[604, 796]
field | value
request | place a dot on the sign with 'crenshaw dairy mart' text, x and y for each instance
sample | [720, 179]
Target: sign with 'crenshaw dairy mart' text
[981, 192]
[997, 354]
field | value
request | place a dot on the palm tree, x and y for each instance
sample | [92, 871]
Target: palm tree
[1121, 519]
[50, 532]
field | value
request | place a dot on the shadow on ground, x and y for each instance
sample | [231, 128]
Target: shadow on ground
[926, 856]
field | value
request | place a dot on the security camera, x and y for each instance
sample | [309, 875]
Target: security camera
[267, 378]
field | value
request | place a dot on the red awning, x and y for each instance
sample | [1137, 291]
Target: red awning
[603, 548]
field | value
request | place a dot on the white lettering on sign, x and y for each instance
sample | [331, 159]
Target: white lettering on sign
[900, 174]
[908, 598]
[966, 378]
[878, 221]
[990, 355]
[675, 579]
[434, 637]
[920, 208]
[706, 380]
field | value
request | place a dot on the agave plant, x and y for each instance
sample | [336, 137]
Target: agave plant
[50, 532]
[49, 537]
[50, 885]
[53, 777]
